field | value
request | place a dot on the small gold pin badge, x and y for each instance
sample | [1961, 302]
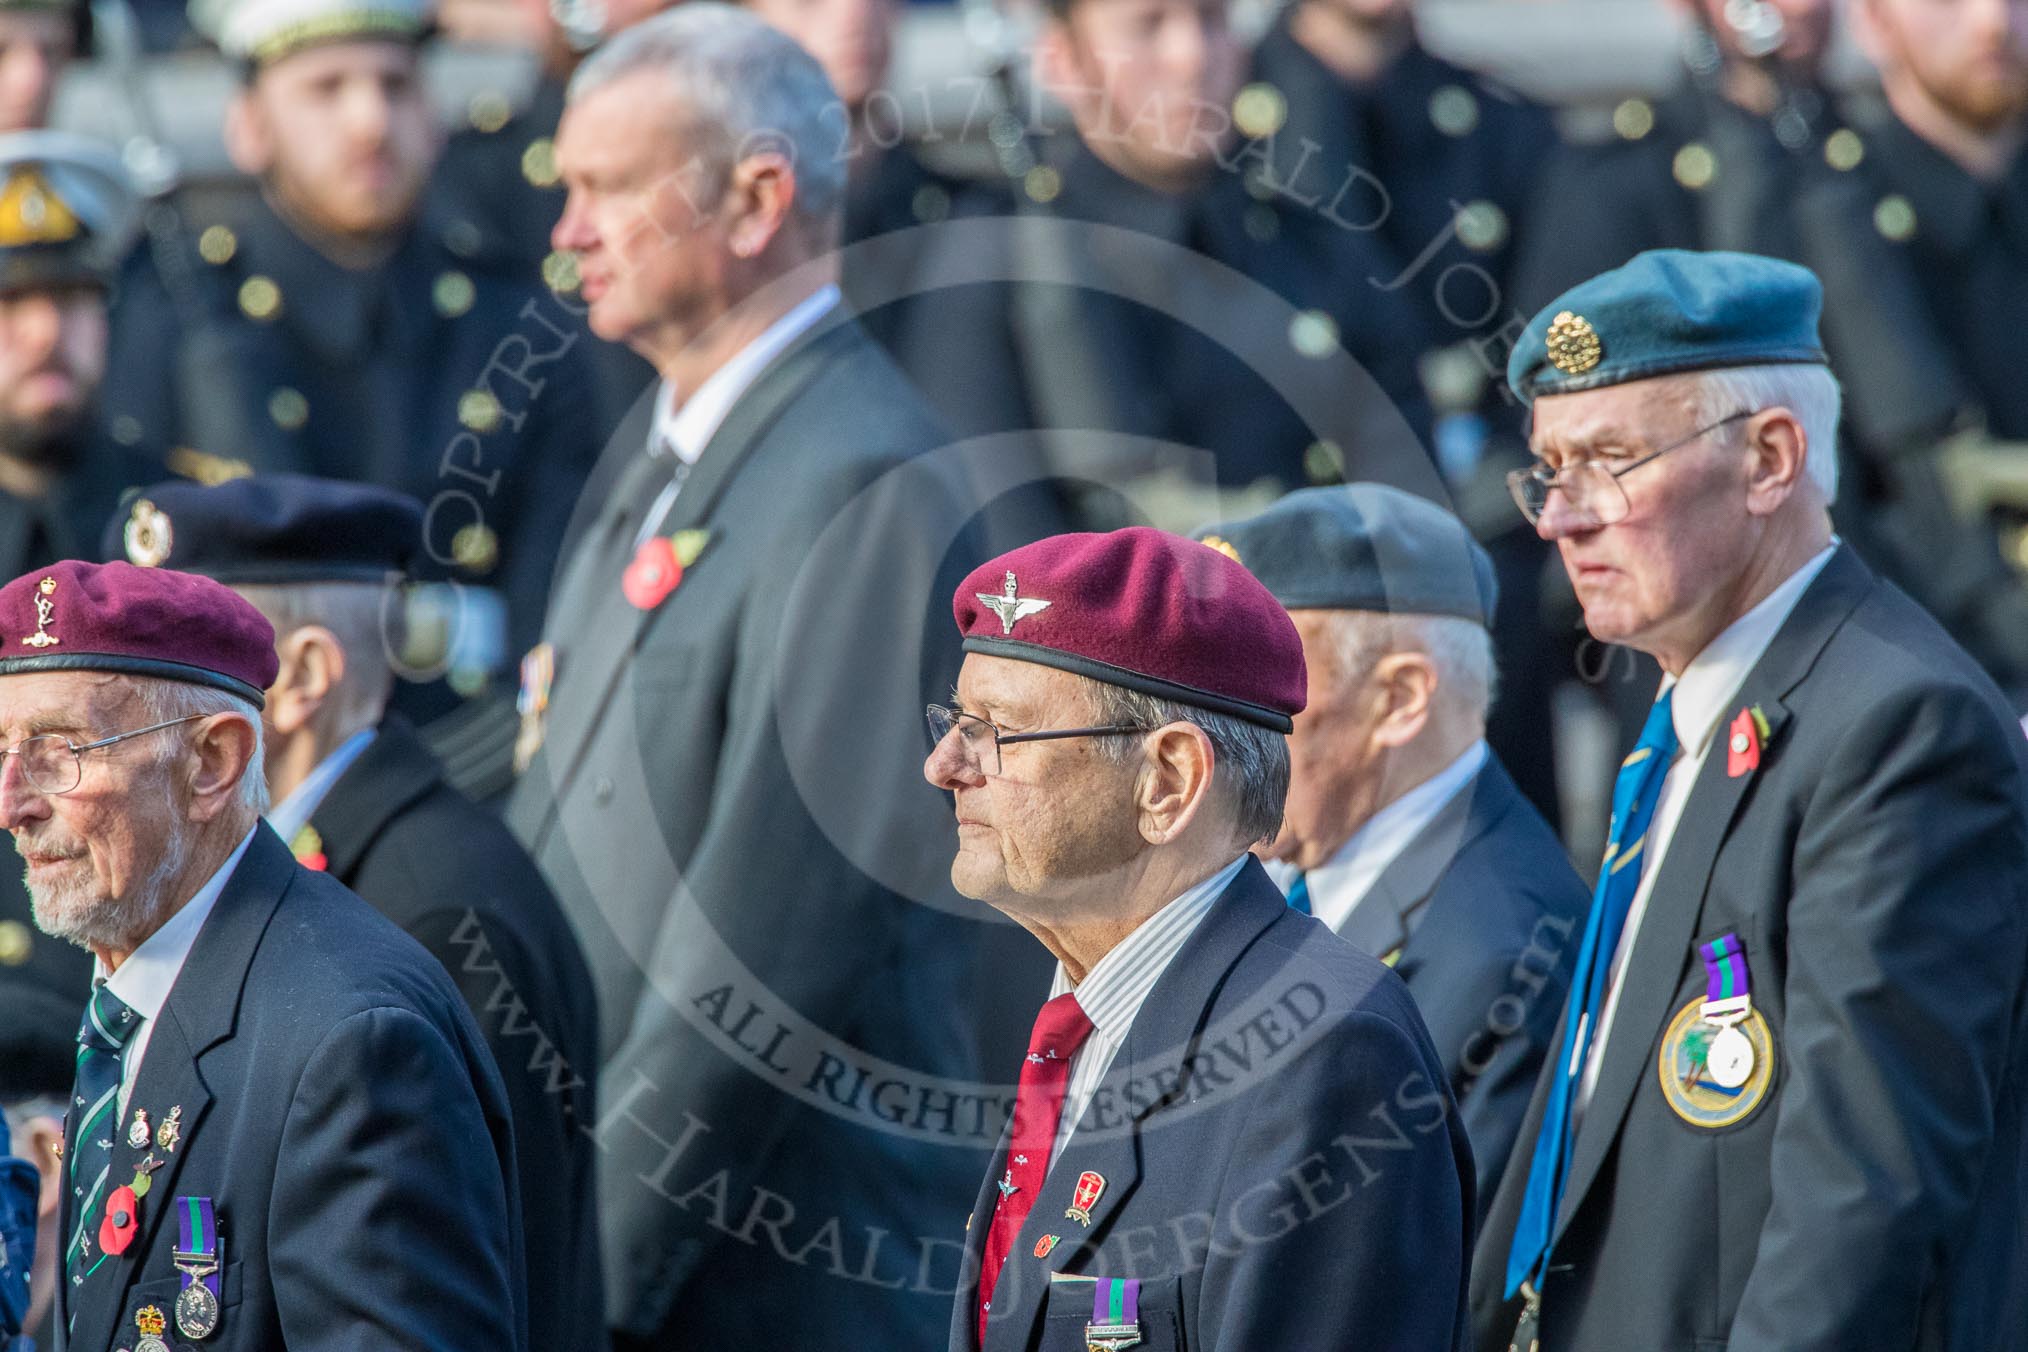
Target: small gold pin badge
[1573, 343]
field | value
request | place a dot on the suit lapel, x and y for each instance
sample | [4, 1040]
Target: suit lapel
[1662, 945]
[1163, 1037]
[202, 1011]
[605, 627]
[392, 773]
[1382, 920]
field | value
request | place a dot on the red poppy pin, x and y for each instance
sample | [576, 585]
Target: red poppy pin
[308, 847]
[122, 1218]
[1744, 741]
[658, 566]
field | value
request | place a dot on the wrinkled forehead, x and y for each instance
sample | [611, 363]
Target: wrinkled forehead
[61, 701]
[1627, 416]
[1004, 689]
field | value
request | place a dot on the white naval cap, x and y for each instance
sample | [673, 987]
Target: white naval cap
[260, 31]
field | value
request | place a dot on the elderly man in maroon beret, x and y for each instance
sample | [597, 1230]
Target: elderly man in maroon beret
[285, 1129]
[1231, 1130]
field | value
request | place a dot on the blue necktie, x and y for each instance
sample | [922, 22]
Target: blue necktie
[1635, 792]
[95, 1121]
[1299, 894]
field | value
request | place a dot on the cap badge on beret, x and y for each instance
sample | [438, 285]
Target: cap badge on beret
[1223, 546]
[147, 535]
[45, 606]
[1573, 343]
[32, 213]
[1009, 605]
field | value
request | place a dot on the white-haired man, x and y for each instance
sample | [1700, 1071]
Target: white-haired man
[1404, 832]
[1786, 1105]
[285, 1129]
[722, 726]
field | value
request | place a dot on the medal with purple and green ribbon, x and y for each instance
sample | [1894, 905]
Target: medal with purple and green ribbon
[1728, 999]
[199, 1256]
[1115, 1315]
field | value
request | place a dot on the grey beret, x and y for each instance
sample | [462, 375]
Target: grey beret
[1363, 547]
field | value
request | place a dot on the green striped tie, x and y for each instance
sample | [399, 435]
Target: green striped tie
[94, 1122]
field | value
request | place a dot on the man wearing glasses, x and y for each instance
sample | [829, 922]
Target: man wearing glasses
[284, 1128]
[1230, 1129]
[1784, 1107]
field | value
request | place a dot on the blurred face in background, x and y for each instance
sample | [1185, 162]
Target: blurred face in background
[35, 46]
[1806, 29]
[852, 39]
[52, 357]
[1149, 82]
[343, 135]
[1969, 58]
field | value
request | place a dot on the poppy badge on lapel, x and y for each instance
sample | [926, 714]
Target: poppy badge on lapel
[1744, 741]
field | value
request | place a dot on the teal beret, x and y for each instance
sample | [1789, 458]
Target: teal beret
[1363, 547]
[1669, 310]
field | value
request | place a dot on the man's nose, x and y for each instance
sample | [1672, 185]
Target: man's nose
[20, 800]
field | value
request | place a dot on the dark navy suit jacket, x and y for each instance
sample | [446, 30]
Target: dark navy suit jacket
[1875, 867]
[1481, 915]
[1282, 1163]
[341, 1111]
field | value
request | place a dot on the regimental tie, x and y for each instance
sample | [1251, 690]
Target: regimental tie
[1299, 894]
[1635, 793]
[94, 1115]
[1060, 1029]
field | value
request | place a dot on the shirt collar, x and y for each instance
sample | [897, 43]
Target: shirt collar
[1708, 684]
[1350, 873]
[687, 429]
[1113, 991]
[293, 813]
[145, 978]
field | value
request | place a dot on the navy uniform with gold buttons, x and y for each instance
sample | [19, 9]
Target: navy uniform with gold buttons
[373, 810]
[388, 346]
[66, 212]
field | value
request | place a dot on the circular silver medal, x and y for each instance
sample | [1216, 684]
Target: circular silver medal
[196, 1312]
[1730, 1059]
[150, 1343]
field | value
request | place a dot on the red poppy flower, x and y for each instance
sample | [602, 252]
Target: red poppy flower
[654, 573]
[1742, 745]
[121, 1222]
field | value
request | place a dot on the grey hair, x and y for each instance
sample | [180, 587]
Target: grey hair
[367, 628]
[1460, 649]
[162, 700]
[1250, 760]
[749, 88]
[1807, 390]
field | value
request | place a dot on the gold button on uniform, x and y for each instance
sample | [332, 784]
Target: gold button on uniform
[478, 410]
[1894, 218]
[1695, 166]
[453, 294]
[217, 244]
[16, 943]
[1633, 119]
[538, 163]
[288, 408]
[1453, 110]
[260, 298]
[489, 110]
[476, 548]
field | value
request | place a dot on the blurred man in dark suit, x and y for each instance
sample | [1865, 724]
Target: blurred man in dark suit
[1404, 833]
[721, 725]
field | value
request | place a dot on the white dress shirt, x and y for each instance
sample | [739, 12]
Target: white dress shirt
[293, 813]
[1704, 695]
[149, 973]
[1117, 985]
[1338, 885]
[685, 429]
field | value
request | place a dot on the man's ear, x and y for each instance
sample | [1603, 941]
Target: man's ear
[1175, 781]
[224, 747]
[1405, 685]
[760, 197]
[312, 667]
[1777, 459]
[249, 144]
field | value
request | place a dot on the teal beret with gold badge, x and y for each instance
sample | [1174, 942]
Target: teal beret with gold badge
[1669, 310]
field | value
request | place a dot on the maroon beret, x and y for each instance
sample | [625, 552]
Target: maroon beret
[75, 616]
[1146, 610]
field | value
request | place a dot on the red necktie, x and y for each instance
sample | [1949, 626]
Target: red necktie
[1060, 1029]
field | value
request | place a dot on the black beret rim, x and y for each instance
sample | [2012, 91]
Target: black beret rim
[1669, 366]
[1021, 651]
[126, 665]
